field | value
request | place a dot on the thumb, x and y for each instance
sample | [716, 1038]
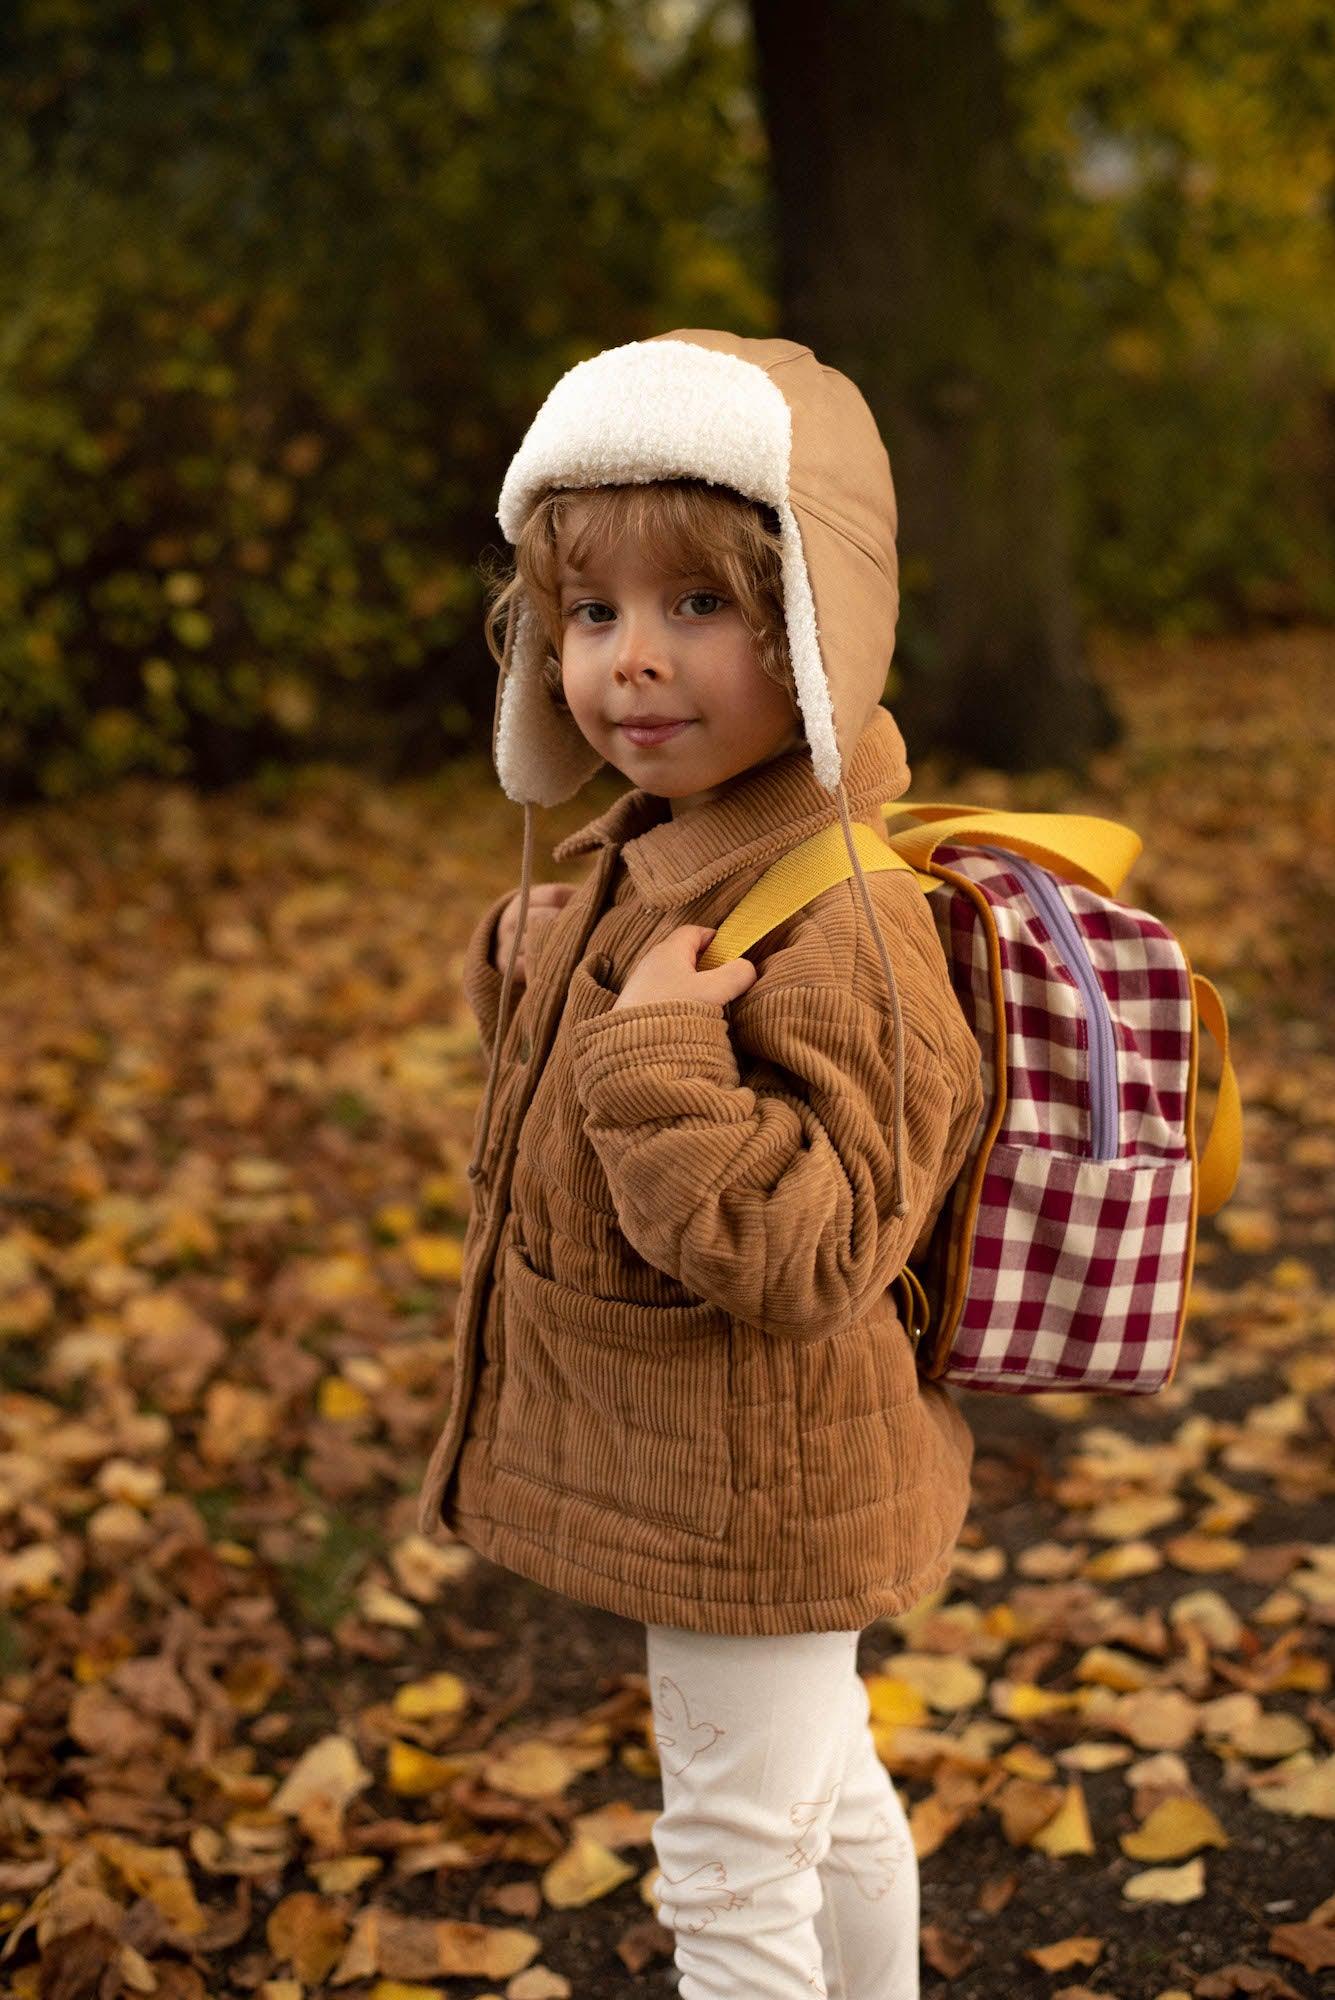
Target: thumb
[729, 981]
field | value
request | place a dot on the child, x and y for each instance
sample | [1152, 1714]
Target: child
[681, 1388]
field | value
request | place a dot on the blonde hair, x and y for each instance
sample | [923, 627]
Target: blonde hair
[683, 526]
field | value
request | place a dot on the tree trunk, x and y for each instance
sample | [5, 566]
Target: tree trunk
[908, 256]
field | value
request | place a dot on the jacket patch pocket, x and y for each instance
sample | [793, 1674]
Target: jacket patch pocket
[590, 991]
[621, 1404]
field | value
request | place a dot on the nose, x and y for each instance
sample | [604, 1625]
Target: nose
[644, 647]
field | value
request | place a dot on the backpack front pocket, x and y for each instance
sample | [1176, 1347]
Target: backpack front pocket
[615, 1402]
[1078, 1274]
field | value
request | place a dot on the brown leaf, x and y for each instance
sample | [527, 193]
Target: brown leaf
[1067, 1951]
[1311, 1945]
[945, 1952]
[307, 1933]
[996, 1892]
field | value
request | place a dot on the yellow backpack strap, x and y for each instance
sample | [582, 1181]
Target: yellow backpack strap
[1218, 1170]
[1076, 846]
[795, 879]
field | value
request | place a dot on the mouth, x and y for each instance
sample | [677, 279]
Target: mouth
[645, 733]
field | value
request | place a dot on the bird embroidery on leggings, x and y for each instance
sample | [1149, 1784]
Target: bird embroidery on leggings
[892, 1850]
[687, 1738]
[716, 1875]
[804, 1814]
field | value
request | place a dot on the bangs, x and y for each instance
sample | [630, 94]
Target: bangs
[683, 528]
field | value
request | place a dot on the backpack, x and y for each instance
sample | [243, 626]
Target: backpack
[1061, 1255]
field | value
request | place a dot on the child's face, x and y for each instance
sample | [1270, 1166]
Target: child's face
[636, 639]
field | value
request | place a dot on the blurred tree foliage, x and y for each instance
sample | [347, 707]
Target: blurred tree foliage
[1187, 156]
[285, 282]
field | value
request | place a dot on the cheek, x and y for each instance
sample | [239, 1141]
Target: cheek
[579, 682]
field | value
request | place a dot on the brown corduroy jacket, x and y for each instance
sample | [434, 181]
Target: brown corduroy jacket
[682, 1390]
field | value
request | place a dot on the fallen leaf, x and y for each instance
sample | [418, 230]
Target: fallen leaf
[942, 1679]
[1067, 1832]
[1310, 1793]
[320, 1785]
[945, 1952]
[307, 1933]
[1311, 1945]
[1067, 1951]
[438, 1694]
[585, 1871]
[1167, 1885]
[1155, 1718]
[1271, 1734]
[1175, 1828]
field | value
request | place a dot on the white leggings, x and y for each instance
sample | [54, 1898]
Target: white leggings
[786, 1867]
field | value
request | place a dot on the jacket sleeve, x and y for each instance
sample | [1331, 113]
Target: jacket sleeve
[480, 982]
[761, 1175]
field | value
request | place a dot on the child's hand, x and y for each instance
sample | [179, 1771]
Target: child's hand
[545, 900]
[667, 972]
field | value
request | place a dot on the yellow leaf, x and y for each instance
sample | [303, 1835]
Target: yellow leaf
[1021, 1700]
[894, 1700]
[438, 1257]
[1111, 1668]
[395, 1219]
[584, 1872]
[1167, 1885]
[412, 1772]
[1176, 1827]
[1067, 1832]
[340, 1400]
[438, 1694]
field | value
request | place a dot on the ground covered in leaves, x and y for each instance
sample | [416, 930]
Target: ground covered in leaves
[259, 1737]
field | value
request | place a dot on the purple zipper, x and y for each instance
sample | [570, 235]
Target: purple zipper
[1047, 900]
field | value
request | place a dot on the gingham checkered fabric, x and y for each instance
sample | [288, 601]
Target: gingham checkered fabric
[1077, 1265]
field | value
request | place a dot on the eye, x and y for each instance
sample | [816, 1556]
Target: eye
[710, 597]
[590, 604]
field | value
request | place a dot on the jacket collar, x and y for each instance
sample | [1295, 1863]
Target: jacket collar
[765, 811]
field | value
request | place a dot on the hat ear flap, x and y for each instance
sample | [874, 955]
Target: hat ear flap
[542, 757]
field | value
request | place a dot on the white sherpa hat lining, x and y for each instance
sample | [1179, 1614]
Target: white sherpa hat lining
[653, 409]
